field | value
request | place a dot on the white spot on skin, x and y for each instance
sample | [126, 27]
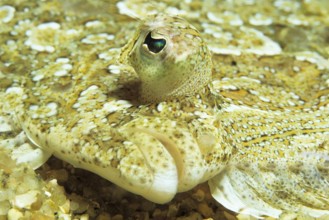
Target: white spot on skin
[89, 89]
[37, 77]
[67, 66]
[39, 38]
[7, 13]
[313, 57]
[62, 60]
[218, 84]
[53, 109]
[110, 54]
[76, 105]
[114, 69]
[250, 79]
[72, 32]
[17, 90]
[140, 10]
[174, 11]
[43, 111]
[294, 96]
[264, 99]
[123, 9]
[160, 107]
[97, 38]
[214, 18]
[254, 92]
[114, 106]
[287, 5]
[21, 26]
[33, 107]
[88, 127]
[214, 30]
[49, 25]
[262, 46]
[61, 73]
[93, 23]
[291, 103]
[64, 68]
[47, 193]
[233, 108]
[259, 19]
[229, 87]
[268, 47]
[202, 115]
[226, 17]
[296, 69]
[295, 20]
[225, 51]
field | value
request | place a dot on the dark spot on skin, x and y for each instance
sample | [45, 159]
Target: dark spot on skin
[143, 180]
[178, 135]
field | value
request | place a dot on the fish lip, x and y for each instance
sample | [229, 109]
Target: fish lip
[183, 161]
[165, 179]
[178, 145]
[170, 146]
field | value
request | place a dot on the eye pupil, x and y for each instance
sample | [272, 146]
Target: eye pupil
[154, 45]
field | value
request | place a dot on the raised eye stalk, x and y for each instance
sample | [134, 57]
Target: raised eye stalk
[170, 57]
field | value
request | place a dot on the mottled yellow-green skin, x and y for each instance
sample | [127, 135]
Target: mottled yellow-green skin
[259, 126]
[182, 68]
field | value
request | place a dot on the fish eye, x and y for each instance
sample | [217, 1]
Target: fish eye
[154, 45]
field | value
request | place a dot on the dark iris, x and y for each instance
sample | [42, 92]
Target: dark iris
[154, 45]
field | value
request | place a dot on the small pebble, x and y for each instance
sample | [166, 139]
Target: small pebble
[117, 217]
[158, 214]
[191, 216]
[25, 201]
[104, 216]
[205, 210]
[60, 175]
[172, 211]
[199, 195]
[14, 214]
[228, 215]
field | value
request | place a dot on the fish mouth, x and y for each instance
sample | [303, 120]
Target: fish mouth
[160, 159]
[170, 152]
[170, 146]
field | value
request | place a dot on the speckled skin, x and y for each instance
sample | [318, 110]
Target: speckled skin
[258, 131]
[181, 69]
